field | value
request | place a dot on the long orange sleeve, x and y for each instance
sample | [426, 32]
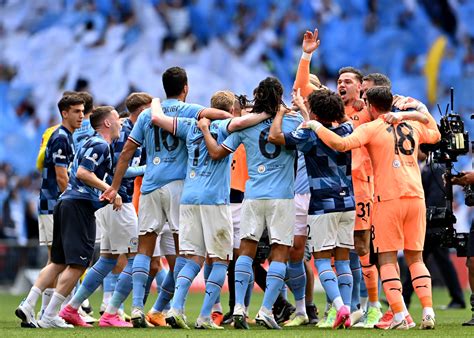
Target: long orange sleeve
[302, 78]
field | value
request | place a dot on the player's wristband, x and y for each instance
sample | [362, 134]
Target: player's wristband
[306, 56]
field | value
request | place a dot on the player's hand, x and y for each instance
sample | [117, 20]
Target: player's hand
[464, 178]
[310, 41]
[405, 103]
[358, 104]
[204, 123]
[118, 203]
[156, 110]
[298, 100]
[312, 124]
[108, 195]
[393, 118]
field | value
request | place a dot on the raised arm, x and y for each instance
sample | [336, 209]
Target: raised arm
[158, 118]
[245, 121]
[216, 151]
[276, 135]
[309, 45]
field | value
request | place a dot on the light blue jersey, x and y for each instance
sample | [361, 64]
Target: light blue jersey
[271, 167]
[82, 134]
[207, 181]
[301, 179]
[165, 153]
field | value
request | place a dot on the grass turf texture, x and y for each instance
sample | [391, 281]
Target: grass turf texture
[448, 322]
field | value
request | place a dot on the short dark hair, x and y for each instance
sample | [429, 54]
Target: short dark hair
[326, 105]
[124, 114]
[174, 79]
[99, 114]
[352, 70]
[135, 100]
[69, 100]
[378, 79]
[88, 101]
[380, 97]
[268, 96]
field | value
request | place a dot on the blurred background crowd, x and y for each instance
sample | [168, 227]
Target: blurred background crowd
[113, 47]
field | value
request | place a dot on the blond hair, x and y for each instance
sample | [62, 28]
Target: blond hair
[223, 99]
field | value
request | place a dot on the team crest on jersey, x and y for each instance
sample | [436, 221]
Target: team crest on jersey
[156, 160]
[93, 158]
[261, 169]
[396, 164]
[192, 174]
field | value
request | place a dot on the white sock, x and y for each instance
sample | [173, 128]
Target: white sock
[217, 307]
[363, 303]
[33, 296]
[54, 305]
[375, 304]
[399, 316]
[47, 294]
[405, 310]
[113, 310]
[338, 303]
[428, 311]
[68, 299]
[106, 297]
[301, 306]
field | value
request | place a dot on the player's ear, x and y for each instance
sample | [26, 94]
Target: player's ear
[107, 123]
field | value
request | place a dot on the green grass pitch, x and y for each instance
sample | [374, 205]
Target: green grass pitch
[448, 323]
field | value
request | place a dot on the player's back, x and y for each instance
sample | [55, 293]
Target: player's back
[166, 153]
[81, 134]
[393, 150]
[59, 152]
[207, 181]
[270, 167]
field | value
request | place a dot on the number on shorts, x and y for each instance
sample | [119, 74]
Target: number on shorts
[309, 230]
[262, 144]
[364, 209]
[399, 141]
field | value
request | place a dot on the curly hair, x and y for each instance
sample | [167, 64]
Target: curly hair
[268, 96]
[326, 105]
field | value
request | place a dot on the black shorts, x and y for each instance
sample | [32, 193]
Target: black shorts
[470, 241]
[73, 232]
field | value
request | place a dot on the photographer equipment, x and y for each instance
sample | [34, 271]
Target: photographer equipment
[440, 220]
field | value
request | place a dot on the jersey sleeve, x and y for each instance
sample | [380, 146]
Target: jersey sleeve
[192, 110]
[428, 134]
[137, 135]
[302, 78]
[221, 127]
[299, 138]
[59, 151]
[182, 126]
[358, 138]
[232, 142]
[94, 156]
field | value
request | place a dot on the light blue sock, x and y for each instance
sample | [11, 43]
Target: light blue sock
[345, 280]
[214, 284]
[275, 280]
[297, 279]
[166, 292]
[94, 278]
[140, 270]
[248, 293]
[243, 271]
[357, 278]
[207, 271]
[123, 287]
[328, 278]
[148, 287]
[183, 283]
[178, 265]
[160, 277]
[110, 281]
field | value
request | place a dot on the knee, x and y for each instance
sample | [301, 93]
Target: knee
[361, 248]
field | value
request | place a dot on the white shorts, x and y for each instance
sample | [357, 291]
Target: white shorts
[236, 209]
[45, 227]
[119, 229]
[332, 230]
[206, 229]
[277, 215]
[159, 207]
[301, 208]
[165, 243]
